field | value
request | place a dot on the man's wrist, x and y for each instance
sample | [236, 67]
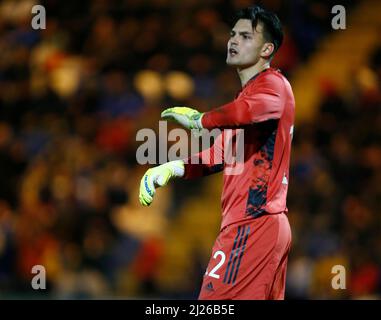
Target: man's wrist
[199, 122]
[177, 168]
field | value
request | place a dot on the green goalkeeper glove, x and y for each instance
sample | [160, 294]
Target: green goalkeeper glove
[158, 177]
[187, 117]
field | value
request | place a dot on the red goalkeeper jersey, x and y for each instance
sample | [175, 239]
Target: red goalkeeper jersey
[264, 109]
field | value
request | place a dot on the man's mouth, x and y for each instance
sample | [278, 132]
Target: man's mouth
[233, 52]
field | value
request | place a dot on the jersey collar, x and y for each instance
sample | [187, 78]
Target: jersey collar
[253, 78]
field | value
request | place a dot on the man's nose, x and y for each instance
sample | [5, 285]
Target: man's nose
[234, 40]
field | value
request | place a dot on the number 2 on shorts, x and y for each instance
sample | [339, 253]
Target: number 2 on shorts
[212, 273]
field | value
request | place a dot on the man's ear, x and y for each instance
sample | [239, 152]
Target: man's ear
[267, 50]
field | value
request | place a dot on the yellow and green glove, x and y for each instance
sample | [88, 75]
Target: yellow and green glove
[158, 177]
[187, 117]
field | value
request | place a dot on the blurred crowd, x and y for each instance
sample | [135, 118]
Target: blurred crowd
[335, 197]
[74, 95]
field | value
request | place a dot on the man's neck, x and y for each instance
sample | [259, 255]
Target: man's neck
[246, 74]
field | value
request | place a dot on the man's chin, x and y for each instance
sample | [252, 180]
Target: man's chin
[237, 65]
[231, 63]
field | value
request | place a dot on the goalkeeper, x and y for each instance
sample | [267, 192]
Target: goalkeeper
[249, 257]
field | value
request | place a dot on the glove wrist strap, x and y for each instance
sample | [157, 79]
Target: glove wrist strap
[177, 168]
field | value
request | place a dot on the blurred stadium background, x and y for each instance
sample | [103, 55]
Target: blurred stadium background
[73, 96]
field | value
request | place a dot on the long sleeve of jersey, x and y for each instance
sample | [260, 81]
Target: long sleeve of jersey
[260, 102]
[206, 162]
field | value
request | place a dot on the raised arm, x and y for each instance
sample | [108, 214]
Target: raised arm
[260, 102]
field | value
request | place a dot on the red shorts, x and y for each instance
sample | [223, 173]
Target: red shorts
[249, 261]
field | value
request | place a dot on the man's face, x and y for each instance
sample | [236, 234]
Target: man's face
[245, 44]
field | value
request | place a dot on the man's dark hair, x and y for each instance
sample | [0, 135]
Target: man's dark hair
[272, 27]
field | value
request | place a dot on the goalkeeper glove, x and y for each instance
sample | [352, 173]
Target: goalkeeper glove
[187, 117]
[158, 177]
